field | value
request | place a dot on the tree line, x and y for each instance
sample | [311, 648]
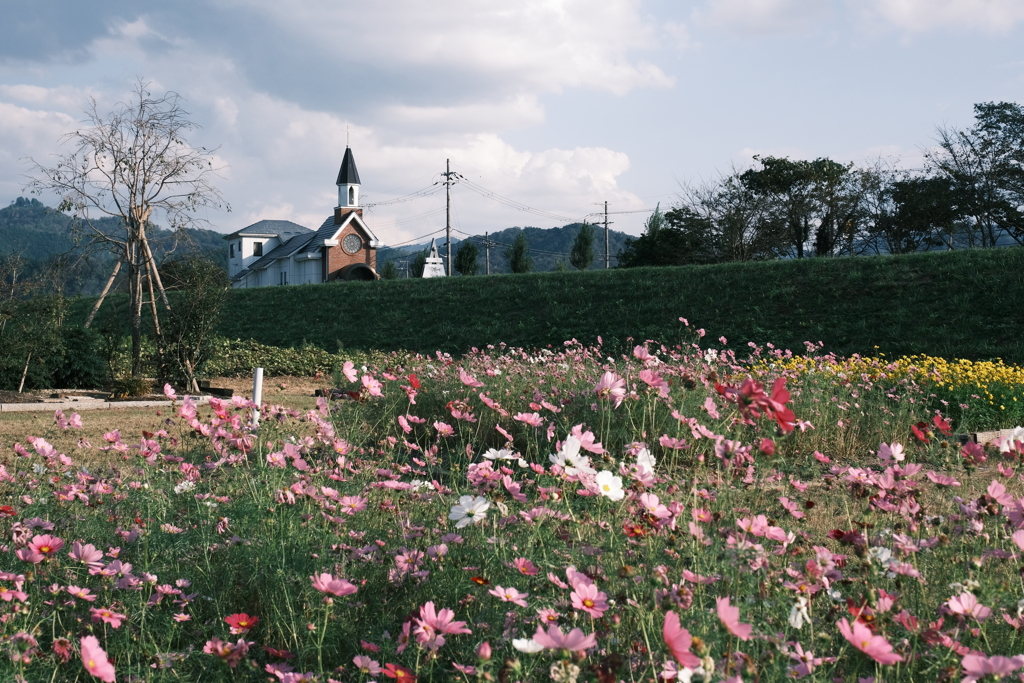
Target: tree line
[969, 194]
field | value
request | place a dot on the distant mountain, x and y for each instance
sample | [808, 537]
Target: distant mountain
[40, 235]
[548, 247]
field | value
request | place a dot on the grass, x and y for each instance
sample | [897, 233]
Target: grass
[222, 525]
[961, 304]
[958, 304]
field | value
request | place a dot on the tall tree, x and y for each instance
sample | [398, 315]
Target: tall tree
[582, 254]
[389, 271]
[133, 164]
[814, 203]
[986, 165]
[466, 258]
[518, 255]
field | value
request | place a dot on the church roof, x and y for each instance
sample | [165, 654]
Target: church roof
[270, 228]
[328, 229]
[348, 175]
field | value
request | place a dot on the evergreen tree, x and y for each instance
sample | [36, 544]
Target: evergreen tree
[466, 258]
[518, 255]
[418, 264]
[582, 254]
[389, 271]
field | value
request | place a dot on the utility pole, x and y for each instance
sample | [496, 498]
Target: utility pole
[487, 244]
[450, 179]
[607, 248]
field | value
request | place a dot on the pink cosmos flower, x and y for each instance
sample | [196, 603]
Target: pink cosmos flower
[678, 640]
[528, 568]
[532, 419]
[587, 598]
[86, 554]
[977, 666]
[366, 665]
[548, 616]
[349, 370]
[655, 381]
[469, 380]
[327, 583]
[967, 604]
[444, 429]
[46, 545]
[509, 595]
[29, 555]
[81, 593]
[554, 639]
[95, 661]
[107, 616]
[611, 386]
[730, 616]
[861, 637]
[372, 386]
[433, 624]
[792, 507]
[232, 653]
[352, 504]
[652, 504]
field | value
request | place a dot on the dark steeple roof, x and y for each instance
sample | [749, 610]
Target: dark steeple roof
[348, 175]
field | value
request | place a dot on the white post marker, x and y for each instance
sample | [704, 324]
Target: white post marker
[257, 395]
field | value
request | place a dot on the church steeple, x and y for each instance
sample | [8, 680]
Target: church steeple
[348, 181]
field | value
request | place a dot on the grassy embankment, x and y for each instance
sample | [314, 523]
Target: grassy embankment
[962, 304]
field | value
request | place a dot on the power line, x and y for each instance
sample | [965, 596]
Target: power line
[414, 239]
[425, 192]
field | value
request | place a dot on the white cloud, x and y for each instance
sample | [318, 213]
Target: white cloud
[545, 45]
[764, 16]
[514, 112]
[996, 16]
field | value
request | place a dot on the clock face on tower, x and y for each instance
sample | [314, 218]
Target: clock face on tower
[351, 244]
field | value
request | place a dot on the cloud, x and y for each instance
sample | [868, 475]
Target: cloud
[764, 17]
[995, 16]
[539, 45]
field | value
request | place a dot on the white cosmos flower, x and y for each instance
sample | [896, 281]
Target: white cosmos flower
[644, 459]
[880, 554]
[1007, 441]
[570, 459]
[610, 486]
[527, 645]
[798, 615]
[503, 454]
[470, 510]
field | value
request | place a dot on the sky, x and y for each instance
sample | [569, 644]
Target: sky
[553, 105]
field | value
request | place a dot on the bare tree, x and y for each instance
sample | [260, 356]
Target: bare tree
[133, 164]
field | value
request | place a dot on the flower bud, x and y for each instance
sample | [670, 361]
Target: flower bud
[483, 652]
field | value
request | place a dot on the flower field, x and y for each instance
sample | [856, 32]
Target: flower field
[671, 514]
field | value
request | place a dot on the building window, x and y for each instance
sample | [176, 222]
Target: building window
[284, 277]
[257, 248]
[232, 250]
[351, 196]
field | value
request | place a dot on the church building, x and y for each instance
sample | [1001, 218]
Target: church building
[273, 252]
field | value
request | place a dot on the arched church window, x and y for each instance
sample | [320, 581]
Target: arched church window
[351, 196]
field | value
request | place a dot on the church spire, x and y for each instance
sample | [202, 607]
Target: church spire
[348, 181]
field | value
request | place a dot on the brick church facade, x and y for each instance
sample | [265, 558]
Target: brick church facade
[282, 253]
